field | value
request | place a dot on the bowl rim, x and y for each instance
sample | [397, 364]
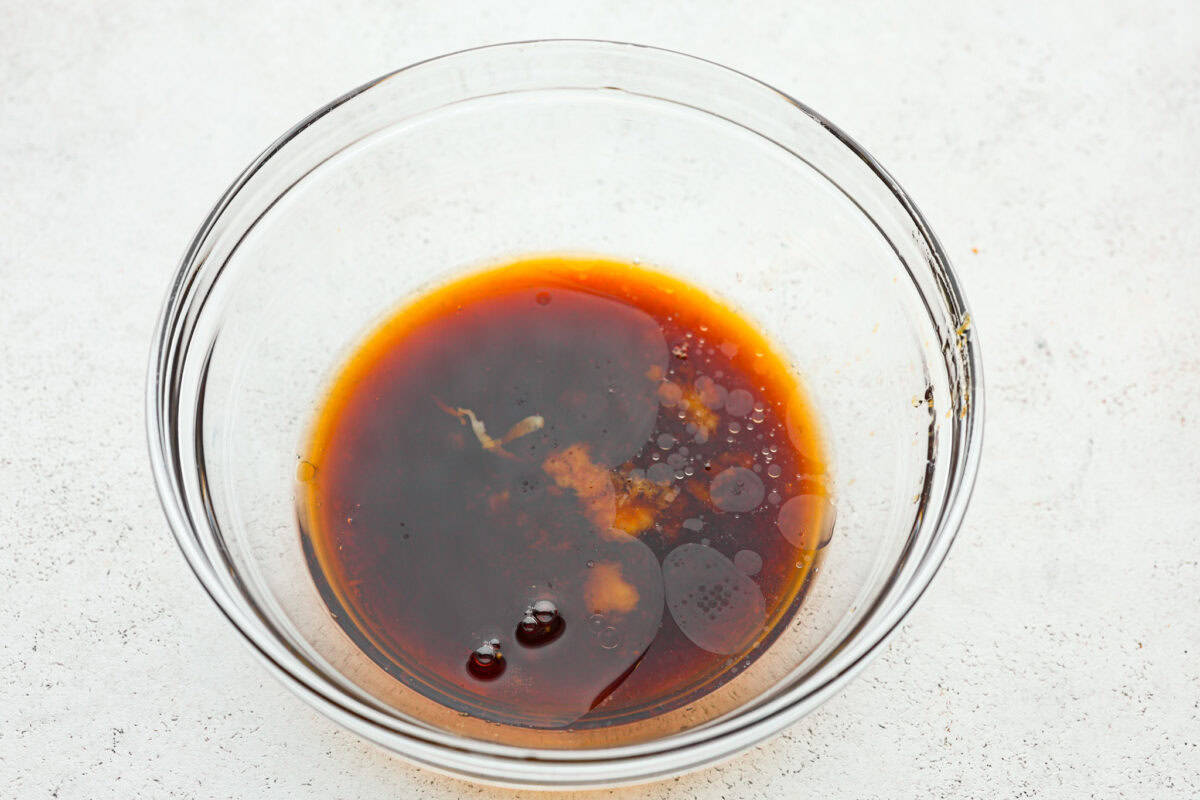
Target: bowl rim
[526, 767]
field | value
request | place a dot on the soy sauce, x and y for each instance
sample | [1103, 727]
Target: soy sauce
[564, 493]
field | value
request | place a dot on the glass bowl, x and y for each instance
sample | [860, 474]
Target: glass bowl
[583, 147]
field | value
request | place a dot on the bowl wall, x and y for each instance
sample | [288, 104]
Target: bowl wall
[580, 147]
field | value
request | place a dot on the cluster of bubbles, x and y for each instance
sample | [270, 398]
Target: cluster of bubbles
[540, 625]
[734, 489]
[606, 634]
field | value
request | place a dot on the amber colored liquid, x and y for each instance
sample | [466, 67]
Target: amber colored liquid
[564, 493]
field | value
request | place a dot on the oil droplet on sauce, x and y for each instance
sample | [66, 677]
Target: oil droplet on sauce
[504, 490]
[716, 605]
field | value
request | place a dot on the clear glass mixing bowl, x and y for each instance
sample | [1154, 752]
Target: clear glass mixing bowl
[575, 146]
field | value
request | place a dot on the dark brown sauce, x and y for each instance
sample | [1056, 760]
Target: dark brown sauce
[564, 493]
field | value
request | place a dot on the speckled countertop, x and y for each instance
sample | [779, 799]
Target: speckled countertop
[1052, 145]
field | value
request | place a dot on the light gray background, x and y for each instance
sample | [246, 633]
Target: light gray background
[1053, 146]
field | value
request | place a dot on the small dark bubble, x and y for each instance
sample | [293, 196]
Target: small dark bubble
[543, 298]
[540, 625]
[486, 662]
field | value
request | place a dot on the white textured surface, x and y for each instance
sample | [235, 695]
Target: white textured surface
[1056, 655]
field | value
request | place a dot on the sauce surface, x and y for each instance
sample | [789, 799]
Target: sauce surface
[564, 492]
